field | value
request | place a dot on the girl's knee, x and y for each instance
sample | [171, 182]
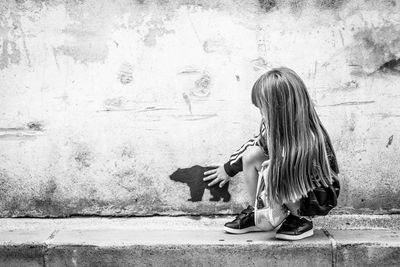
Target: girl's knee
[253, 155]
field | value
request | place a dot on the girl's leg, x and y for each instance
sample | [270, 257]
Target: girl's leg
[252, 159]
[293, 207]
[295, 227]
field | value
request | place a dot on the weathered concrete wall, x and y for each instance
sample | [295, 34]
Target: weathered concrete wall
[101, 101]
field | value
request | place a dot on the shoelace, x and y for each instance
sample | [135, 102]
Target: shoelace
[292, 220]
[295, 220]
[246, 212]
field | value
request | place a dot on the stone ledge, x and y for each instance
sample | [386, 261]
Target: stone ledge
[340, 222]
[144, 242]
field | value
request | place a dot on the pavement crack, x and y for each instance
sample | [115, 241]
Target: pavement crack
[334, 247]
[52, 235]
[46, 247]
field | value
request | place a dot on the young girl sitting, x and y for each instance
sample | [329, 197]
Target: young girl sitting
[294, 145]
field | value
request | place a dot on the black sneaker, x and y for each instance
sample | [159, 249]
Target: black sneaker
[243, 223]
[295, 228]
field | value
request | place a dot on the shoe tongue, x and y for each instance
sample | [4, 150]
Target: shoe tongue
[247, 211]
[249, 208]
[241, 216]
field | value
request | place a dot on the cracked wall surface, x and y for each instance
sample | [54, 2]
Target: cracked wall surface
[106, 106]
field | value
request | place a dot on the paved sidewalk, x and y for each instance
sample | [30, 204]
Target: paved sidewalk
[193, 241]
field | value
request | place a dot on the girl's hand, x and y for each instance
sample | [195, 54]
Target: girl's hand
[218, 175]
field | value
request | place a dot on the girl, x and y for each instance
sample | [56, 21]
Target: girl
[292, 143]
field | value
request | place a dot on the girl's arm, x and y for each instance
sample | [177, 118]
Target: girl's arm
[223, 173]
[235, 165]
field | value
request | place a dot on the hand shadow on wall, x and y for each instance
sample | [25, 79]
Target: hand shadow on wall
[193, 177]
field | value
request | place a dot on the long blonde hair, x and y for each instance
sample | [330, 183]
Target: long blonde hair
[297, 141]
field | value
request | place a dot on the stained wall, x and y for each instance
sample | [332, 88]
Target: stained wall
[117, 107]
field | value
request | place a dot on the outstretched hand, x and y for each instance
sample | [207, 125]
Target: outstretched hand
[218, 175]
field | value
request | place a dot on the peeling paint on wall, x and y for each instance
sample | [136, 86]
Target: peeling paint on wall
[349, 103]
[267, 5]
[189, 70]
[5, 185]
[202, 86]
[11, 36]
[156, 29]
[389, 141]
[111, 103]
[260, 64]
[82, 156]
[84, 45]
[392, 66]
[215, 44]
[35, 125]
[187, 101]
[9, 53]
[29, 131]
[297, 5]
[331, 4]
[375, 47]
[125, 74]
[46, 197]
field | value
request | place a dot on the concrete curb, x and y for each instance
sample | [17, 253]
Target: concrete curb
[338, 222]
[108, 245]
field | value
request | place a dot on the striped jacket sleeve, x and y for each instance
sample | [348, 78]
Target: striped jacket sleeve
[235, 163]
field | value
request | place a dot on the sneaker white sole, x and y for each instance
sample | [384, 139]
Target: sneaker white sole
[242, 231]
[295, 237]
